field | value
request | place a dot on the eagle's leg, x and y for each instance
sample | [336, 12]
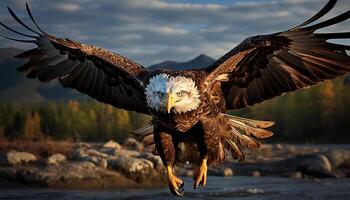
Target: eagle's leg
[200, 173]
[166, 150]
[175, 184]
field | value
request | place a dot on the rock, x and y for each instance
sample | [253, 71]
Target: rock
[138, 169]
[79, 154]
[156, 160]
[126, 153]
[100, 162]
[315, 165]
[279, 147]
[93, 156]
[296, 175]
[15, 158]
[83, 145]
[103, 163]
[119, 152]
[56, 159]
[112, 145]
[227, 172]
[338, 158]
[256, 173]
[290, 148]
[109, 151]
[80, 174]
[133, 144]
[94, 153]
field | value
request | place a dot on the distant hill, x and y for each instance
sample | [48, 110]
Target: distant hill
[196, 63]
[15, 87]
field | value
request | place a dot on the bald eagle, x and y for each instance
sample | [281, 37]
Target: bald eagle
[188, 106]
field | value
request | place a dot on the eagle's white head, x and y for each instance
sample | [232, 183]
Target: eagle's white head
[165, 93]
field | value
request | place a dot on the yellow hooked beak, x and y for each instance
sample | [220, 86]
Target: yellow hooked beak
[169, 101]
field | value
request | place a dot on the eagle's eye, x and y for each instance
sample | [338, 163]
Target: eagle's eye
[181, 93]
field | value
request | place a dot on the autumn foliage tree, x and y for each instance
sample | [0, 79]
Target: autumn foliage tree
[32, 127]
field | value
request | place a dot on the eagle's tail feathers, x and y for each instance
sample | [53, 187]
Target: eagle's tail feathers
[251, 122]
[241, 133]
[250, 129]
[235, 150]
[243, 140]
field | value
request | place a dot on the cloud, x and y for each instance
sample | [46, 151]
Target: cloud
[69, 7]
[150, 31]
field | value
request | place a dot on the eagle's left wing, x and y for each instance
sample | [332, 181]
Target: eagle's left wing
[263, 67]
[101, 74]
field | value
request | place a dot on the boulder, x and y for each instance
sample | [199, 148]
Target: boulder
[82, 145]
[296, 175]
[15, 158]
[109, 151]
[90, 155]
[278, 147]
[126, 153]
[255, 173]
[137, 169]
[95, 153]
[79, 154]
[156, 160]
[226, 172]
[78, 174]
[56, 159]
[315, 165]
[112, 145]
[133, 144]
[100, 162]
[338, 158]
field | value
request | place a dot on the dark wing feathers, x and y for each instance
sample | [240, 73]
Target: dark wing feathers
[263, 67]
[103, 75]
[329, 6]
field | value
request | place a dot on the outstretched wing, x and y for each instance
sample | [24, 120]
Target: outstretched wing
[103, 75]
[263, 67]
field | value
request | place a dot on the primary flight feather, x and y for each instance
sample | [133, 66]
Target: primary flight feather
[188, 106]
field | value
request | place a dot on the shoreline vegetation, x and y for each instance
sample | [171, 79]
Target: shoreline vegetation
[315, 116]
[77, 165]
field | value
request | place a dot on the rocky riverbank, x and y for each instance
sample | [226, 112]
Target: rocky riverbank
[112, 165]
[90, 166]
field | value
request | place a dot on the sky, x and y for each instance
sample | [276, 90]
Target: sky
[151, 31]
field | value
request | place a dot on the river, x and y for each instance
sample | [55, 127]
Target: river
[247, 188]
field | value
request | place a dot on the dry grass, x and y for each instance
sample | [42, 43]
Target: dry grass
[42, 148]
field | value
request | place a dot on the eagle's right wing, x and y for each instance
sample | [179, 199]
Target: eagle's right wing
[103, 75]
[267, 66]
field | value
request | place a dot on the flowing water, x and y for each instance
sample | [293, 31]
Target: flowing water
[247, 188]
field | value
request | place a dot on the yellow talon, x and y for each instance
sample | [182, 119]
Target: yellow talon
[200, 174]
[175, 184]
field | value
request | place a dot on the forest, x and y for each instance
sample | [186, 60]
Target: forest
[320, 114]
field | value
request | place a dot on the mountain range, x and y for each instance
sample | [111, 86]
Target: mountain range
[15, 87]
[198, 62]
